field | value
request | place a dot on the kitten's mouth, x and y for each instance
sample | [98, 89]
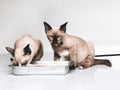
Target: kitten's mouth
[18, 64]
[57, 44]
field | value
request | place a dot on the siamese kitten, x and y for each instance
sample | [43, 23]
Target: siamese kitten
[26, 50]
[78, 51]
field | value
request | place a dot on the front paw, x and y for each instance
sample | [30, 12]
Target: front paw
[72, 67]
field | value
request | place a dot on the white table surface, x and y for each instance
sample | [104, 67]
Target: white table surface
[94, 78]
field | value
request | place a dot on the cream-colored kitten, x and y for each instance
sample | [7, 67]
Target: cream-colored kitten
[26, 50]
[75, 49]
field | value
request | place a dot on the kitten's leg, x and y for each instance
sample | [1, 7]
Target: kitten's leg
[88, 62]
[56, 56]
[28, 64]
[19, 64]
[73, 55]
[71, 67]
[38, 55]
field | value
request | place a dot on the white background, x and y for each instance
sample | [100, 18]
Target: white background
[94, 20]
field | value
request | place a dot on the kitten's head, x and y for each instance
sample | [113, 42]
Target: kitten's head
[55, 34]
[20, 56]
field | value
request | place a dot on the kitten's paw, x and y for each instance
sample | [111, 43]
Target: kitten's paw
[29, 65]
[80, 67]
[72, 67]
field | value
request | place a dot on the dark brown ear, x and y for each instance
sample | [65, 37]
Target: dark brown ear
[27, 50]
[63, 27]
[47, 27]
[10, 50]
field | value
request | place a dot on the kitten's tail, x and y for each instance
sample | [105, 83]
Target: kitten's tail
[102, 62]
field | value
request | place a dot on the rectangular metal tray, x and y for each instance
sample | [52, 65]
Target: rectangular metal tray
[43, 67]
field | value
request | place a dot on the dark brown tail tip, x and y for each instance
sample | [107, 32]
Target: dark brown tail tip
[108, 63]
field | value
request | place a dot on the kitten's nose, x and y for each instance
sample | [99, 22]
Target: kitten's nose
[54, 42]
[21, 63]
[24, 63]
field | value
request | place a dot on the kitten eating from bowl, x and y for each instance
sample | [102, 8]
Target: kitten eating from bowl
[26, 50]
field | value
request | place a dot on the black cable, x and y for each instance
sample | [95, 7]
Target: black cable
[107, 55]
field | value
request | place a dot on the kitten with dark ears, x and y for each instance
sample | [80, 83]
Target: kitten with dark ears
[78, 51]
[26, 50]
